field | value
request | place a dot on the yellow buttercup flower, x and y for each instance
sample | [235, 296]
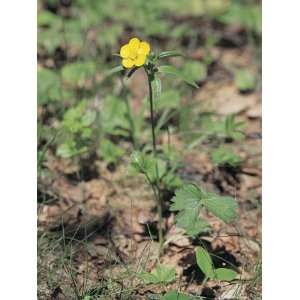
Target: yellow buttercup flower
[134, 53]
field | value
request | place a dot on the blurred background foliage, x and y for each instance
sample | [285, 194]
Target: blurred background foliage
[89, 113]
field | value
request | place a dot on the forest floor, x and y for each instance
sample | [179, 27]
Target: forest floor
[100, 229]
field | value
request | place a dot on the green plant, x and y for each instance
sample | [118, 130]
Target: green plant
[211, 127]
[233, 129]
[157, 171]
[225, 157]
[137, 54]
[78, 131]
[189, 199]
[245, 80]
[174, 295]
[205, 263]
[49, 86]
[161, 274]
[110, 152]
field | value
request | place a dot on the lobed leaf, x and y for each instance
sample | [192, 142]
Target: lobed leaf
[187, 201]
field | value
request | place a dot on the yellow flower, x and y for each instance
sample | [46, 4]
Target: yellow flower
[134, 53]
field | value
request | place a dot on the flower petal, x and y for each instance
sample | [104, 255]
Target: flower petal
[140, 60]
[125, 51]
[144, 48]
[127, 63]
[134, 43]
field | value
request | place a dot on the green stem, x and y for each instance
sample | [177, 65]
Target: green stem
[157, 194]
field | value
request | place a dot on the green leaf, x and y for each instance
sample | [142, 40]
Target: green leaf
[113, 71]
[187, 201]
[153, 168]
[168, 99]
[113, 116]
[173, 71]
[110, 152]
[69, 149]
[50, 40]
[232, 128]
[223, 157]
[161, 274]
[204, 262]
[188, 196]
[224, 208]
[156, 88]
[49, 86]
[46, 18]
[174, 295]
[171, 53]
[77, 120]
[196, 70]
[88, 118]
[225, 274]
[245, 80]
[247, 15]
[76, 74]
[189, 220]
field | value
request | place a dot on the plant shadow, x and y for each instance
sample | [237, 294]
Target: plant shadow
[220, 257]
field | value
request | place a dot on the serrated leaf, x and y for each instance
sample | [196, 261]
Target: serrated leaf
[171, 53]
[204, 262]
[174, 295]
[161, 274]
[189, 220]
[187, 201]
[173, 71]
[224, 207]
[187, 196]
[225, 274]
